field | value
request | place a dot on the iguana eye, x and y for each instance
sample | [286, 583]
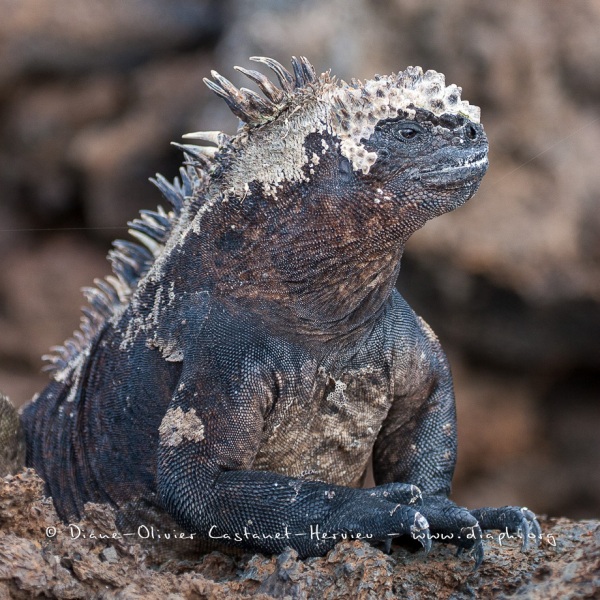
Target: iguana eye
[407, 132]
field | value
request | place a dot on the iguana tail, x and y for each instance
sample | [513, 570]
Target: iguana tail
[12, 438]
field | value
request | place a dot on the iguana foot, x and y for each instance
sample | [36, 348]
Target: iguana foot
[401, 493]
[454, 524]
[513, 519]
[383, 513]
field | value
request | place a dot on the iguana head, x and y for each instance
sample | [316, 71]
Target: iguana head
[404, 139]
[325, 181]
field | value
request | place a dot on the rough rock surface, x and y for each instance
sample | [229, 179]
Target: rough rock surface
[42, 557]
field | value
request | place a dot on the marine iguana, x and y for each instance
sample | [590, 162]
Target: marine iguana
[251, 352]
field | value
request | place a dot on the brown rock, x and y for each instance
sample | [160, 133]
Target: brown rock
[40, 297]
[40, 556]
[67, 35]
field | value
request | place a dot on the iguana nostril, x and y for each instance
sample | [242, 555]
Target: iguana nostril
[470, 131]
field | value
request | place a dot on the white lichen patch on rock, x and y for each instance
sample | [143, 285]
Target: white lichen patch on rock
[178, 426]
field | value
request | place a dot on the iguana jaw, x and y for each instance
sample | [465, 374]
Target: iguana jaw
[456, 175]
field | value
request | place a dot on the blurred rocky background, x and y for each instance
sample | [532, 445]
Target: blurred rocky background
[91, 94]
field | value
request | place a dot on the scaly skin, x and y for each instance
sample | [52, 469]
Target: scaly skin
[240, 381]
[12, 439]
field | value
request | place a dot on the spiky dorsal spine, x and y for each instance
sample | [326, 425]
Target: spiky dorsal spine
[130, 260]
[248, 106]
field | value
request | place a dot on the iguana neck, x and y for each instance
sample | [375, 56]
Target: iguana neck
[344, 297]
[328, 276]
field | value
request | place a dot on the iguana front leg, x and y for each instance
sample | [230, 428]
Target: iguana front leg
[417, 444]
[208, 440]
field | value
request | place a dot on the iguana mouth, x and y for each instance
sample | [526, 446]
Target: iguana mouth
[457, 174]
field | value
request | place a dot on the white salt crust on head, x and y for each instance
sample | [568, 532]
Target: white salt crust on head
[350, 112]
[381, 98]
